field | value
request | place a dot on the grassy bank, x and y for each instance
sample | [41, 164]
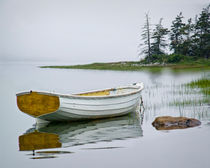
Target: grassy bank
[137, 66]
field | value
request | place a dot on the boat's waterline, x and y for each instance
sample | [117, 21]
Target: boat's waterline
[89, 105]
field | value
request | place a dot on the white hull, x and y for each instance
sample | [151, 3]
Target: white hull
[77, 107]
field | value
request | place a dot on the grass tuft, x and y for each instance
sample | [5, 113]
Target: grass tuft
[203, 84]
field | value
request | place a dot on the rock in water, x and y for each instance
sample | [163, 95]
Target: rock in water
[168, 123]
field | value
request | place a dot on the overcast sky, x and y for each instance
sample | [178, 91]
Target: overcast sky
[82, 30]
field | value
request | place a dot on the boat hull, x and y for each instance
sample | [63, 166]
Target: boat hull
[77, 107]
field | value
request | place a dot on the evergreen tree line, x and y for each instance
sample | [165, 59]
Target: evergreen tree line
[189, 40]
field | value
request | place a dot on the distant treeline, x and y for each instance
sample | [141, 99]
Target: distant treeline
[187, 41]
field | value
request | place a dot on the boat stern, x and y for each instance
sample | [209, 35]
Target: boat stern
[37, 104]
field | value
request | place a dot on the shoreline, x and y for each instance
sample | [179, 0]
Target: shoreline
[134, 66]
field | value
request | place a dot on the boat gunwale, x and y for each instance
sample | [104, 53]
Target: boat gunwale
[77, 95]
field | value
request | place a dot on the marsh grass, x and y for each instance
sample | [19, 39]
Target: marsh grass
[195, 93]
[190, 102]
[202, 84]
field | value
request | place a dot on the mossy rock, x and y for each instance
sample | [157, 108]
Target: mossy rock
[168, 122]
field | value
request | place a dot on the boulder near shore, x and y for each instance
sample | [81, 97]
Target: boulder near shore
[168, 122]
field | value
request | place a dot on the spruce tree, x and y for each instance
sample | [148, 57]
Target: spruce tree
[176, 35]
[202, 34]
[159, 43]
[146, 37]
[187, 44]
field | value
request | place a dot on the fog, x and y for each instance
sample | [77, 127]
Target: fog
[81, 30]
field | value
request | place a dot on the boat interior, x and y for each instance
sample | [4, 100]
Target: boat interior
[107, 92]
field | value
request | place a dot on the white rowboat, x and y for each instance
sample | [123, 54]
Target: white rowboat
[112, 102]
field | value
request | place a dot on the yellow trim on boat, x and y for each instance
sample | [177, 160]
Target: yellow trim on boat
[36, 104]
[97, 93]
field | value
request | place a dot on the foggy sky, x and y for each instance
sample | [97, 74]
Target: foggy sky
[82, 30]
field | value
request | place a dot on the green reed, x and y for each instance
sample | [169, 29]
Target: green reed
[202, 84]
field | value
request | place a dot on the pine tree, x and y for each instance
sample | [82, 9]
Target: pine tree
[187, 44]
[176, 35]
[146, 37]
[202, 34]
[158, 36]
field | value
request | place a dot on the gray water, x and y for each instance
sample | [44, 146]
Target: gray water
[128, 141]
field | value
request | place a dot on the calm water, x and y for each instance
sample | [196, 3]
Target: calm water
[128, 141]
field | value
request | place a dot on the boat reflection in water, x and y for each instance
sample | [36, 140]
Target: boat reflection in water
[59, 135]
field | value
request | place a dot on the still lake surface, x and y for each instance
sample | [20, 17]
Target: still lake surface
[128, 141]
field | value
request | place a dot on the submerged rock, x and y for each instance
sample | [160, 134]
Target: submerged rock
[168, 123]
